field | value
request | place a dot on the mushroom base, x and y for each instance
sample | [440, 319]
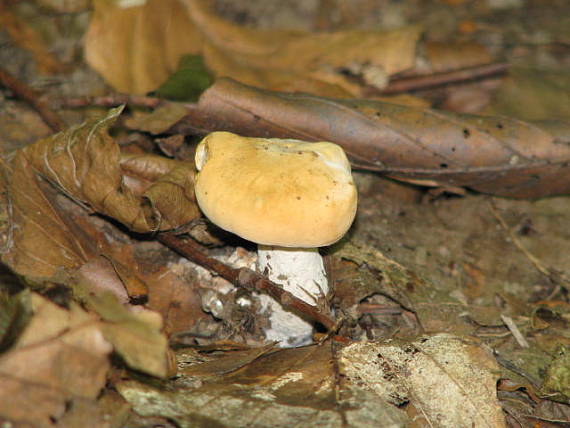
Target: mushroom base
[301, 272]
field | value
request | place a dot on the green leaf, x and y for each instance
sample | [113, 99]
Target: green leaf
[188, 82]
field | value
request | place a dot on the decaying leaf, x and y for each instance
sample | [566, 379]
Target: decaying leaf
[452, 381]
[279, 389]
[496, 155]
[557, 380]
[60, 358]
[158, 33]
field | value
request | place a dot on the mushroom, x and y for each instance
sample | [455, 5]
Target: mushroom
[288, 196]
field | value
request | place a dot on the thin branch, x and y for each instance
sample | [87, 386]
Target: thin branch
[416, 83]
[111, 100]
[27, 94]
[244, 278]
[553, 275]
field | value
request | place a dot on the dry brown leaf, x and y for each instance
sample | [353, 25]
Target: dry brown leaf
[86, 165]
[102, 274]
[61, 357]
[137, 48]
[42, 240]
[170, 188]
[177, 300]
[157, 121]
[452, 56]
[298, 55]
[496, 155]
[133, 50]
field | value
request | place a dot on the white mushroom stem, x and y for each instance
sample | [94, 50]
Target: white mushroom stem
[301, 272]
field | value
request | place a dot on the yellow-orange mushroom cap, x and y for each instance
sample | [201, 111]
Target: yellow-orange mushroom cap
[286, 193]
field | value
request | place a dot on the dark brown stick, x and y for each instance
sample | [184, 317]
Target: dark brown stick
[438, 79]
[111, 101]
[27, 94]
[245, 278]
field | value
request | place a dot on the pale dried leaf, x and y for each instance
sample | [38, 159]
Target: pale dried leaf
[137, 48]
[135, 53]
[136, 335]
[60, 357]
[451, 380]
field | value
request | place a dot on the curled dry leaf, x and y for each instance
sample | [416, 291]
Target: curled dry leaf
[61, 357]
[136, 48]
[497, 155]
[86, 165]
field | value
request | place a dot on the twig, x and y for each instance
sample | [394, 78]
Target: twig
[438, 79]
[112, 100]
[551, 274]
[245, 278]
[27, 94]
[515, 331]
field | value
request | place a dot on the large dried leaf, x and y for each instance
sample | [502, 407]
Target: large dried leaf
[450, 380]
[136, 48]
[42, 239]
[290, 387]
[60, 358]
[496, 155]
[85, 164]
